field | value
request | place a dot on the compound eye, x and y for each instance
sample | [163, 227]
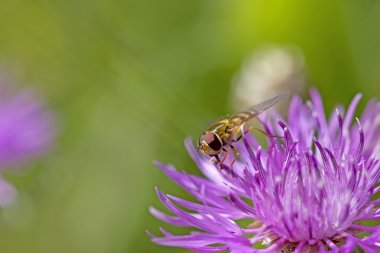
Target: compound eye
[213, 141]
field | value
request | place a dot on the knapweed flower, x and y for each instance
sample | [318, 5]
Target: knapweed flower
[26, 131]
[314, 190]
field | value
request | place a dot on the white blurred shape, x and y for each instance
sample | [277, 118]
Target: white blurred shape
[268, 73]
[8, 193]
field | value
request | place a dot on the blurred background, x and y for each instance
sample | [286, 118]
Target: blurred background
[129, 80]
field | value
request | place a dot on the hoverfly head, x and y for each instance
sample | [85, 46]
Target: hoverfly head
[210, 144]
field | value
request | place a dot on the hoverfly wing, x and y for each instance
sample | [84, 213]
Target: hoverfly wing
[255, 110]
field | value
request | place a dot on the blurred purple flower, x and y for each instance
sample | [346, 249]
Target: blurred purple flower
[312, 191]
[26, 131]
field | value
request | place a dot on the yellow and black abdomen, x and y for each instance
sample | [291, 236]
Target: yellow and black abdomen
[239, 119]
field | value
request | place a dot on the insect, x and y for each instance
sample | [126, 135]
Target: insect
[220, 136]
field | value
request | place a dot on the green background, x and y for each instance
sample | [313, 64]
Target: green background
[129, 80]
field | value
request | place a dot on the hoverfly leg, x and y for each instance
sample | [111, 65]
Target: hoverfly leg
[245, 132]
[225, 157]
[257, 129]
[218, 162]
[236, 152]
[266, 134]
[215, 161]
[228, 169]
[236, 155]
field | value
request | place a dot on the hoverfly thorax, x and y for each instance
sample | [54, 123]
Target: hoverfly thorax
[210, 144]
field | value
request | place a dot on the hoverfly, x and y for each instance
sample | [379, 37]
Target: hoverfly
[224, 132]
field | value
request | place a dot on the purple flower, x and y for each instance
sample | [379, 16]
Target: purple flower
[311, 191]
[26, 131]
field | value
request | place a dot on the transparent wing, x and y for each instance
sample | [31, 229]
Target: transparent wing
[255, 110]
